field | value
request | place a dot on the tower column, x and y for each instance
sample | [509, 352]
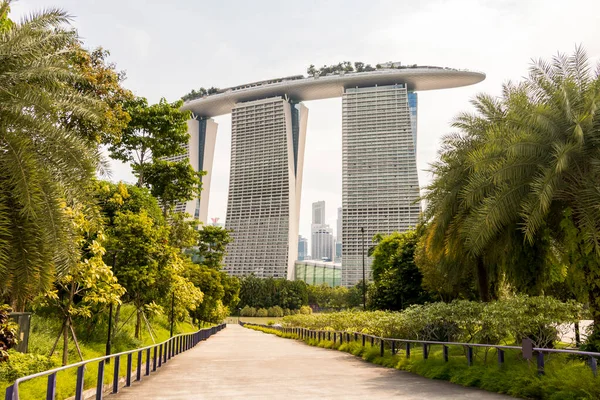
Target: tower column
[263, 206]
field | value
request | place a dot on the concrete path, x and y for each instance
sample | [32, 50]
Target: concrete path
[245, 364]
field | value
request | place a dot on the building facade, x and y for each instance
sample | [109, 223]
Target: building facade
[267, 152]
[380, 187]
[322, 243]
[302, 248]
[318, 213]
[318, 272]
[268, 133]
[200, 152]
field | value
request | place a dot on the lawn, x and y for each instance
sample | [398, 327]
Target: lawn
[92, 343]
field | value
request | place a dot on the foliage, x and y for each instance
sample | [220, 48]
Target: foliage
[324, 297]
[173, 181]
[8, 332]
[45, 165]
[248, 311]
[23, 364]
[219, 289]
[262, 312]
[195, 94]
[275, 311]
[101, 80]
[155, 131]
[515, 194]
[269, 292]
[305, 310]
[212, 245]
[539, 318]
[397, 280]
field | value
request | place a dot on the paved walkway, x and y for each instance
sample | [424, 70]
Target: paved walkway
[245, 364]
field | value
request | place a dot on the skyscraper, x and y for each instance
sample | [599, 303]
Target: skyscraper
[302, 248]
[322, 243]
[379, 169]
[318, 213]
[268, 133]
[200, 151]
[267, 151]
[338, 232]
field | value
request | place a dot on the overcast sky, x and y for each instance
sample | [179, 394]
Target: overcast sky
[168, 48]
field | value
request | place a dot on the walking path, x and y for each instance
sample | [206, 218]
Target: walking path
[245, 364]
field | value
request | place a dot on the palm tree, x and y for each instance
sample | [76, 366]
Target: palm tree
[542, 163]
[43, 165]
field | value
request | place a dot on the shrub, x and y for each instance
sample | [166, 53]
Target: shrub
[286, 312]
[248, 312]
[270, 322]
[8, 332]
[20, 364]
[262, 312]
[305, 310]
[275, 311]
[506, 321]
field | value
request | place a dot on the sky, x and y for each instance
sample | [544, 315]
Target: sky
[168, 48]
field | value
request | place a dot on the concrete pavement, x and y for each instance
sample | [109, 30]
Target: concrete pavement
[241, 363]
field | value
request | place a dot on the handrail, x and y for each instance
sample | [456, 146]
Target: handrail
[527, 349]
[164, 350]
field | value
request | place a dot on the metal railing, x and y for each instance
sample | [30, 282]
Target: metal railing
[157, 355]
[528, 351]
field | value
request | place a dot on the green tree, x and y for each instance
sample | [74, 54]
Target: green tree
[45, 166]
[89, 285]
[101, 80]
[155, 131]
[397, 280]
[212, 246]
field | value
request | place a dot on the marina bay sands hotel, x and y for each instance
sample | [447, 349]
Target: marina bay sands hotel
[380, 186]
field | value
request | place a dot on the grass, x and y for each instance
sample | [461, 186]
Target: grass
[565, 378]
[260, 320]
[92, 340]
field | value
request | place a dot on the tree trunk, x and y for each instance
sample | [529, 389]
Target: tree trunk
[116, 321]
[483, 281]
[594, 297]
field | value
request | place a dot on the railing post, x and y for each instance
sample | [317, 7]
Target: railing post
[148, 361]
[341, 337]
[469, 355]
[381, 347]
[160, 354]
[393, 347]
[51, 388]
[445, 351]
[138, 369]
[154, 359]
[372, 341]
[425, 351]
[100, 381]
[9, 392]
[540, 363]
[116, 365]
[128, 376]
[355, 336]
[79, 383]
[334, 338]
[363, 339]
[500, 356]
[594, 366]
[407, 349]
